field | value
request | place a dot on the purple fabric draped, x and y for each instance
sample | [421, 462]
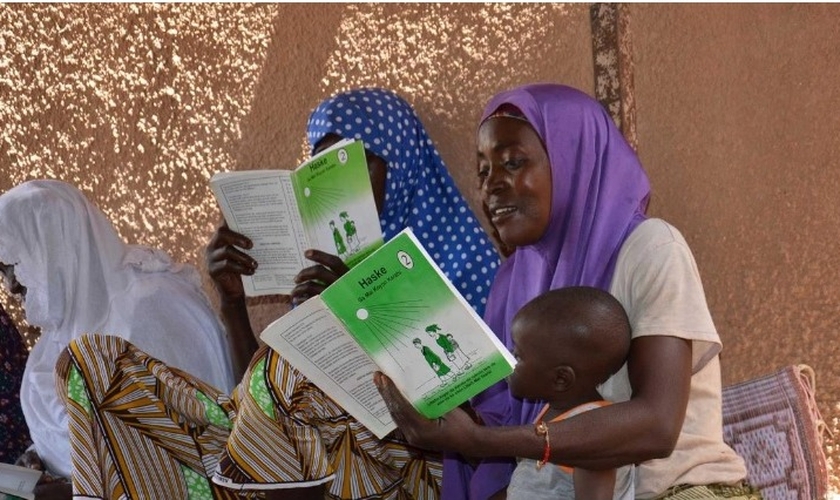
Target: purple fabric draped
[599, 195]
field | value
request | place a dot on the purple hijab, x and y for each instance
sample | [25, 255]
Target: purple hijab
[599, 195]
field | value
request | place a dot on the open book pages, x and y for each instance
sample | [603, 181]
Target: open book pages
[18, 481]
[398, 313]
[326, 203]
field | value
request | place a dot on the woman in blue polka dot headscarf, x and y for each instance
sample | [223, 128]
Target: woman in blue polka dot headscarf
[279, 430]
[288, 412]
[419, 193]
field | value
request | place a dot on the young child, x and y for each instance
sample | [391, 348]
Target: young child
[567, 342]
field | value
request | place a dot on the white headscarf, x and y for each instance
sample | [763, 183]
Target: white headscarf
[82, 278]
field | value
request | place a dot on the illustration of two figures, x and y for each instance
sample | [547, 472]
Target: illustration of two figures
[348, 243]
[459, 360]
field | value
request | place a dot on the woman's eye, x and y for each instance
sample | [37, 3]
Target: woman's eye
[514, 163]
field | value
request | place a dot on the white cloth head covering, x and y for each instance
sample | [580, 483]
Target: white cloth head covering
[82, 278]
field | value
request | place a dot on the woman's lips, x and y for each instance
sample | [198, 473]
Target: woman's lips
[498, 213]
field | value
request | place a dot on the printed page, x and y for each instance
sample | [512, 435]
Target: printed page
[418, 329]
[336, 203]
[316, 343]
[18, 481]
[260, 204]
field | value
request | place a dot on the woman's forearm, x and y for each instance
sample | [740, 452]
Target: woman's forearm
[241, 341]
[645, 427]
[613, 436]
[607, 438]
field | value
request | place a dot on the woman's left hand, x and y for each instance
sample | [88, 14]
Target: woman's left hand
[449, 433]
[313, 280]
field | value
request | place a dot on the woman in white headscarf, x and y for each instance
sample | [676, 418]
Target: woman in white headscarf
[80, 277]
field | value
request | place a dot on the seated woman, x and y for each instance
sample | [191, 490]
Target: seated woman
[279, 434]
[80, 277]
[14, 435]
[567, 192]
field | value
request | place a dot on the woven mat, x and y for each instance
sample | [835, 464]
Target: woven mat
[774, 424]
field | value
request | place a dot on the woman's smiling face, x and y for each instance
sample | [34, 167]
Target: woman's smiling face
[515, 179]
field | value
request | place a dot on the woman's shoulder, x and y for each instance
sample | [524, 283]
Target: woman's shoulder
[655, 245]
[657, 281]
[653, 233]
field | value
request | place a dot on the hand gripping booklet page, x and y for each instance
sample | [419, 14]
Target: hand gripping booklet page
[326, 203]
[398, 313]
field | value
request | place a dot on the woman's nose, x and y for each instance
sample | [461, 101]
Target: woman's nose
[494, 180]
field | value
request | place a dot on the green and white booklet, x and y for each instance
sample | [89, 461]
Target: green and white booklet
[398, 313]
[326, 203]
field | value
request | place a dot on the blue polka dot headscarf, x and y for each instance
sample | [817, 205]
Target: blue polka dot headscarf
[419, 194]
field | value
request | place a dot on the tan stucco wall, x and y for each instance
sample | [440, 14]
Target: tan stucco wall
[739, 132]
[140, 104]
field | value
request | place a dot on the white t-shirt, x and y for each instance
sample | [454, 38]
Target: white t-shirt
[657, 282]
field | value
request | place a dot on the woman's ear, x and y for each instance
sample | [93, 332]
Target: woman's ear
[564, 378]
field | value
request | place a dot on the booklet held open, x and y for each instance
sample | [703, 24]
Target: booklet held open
[398, 313]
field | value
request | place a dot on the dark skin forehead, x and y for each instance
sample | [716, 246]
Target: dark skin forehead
[500, 133]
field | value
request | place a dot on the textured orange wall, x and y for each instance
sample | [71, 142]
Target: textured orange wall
[140, 104]
[739, 131]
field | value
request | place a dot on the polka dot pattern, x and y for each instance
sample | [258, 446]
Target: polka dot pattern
[14, 434]
[259, 389]
[215, 414]
[420, 194]
[76, 390]
[197, 484]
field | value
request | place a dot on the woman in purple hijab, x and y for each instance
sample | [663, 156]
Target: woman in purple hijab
[565, 190]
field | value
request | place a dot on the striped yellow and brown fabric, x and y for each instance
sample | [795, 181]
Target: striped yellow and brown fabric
[141, 429]
[279, 409]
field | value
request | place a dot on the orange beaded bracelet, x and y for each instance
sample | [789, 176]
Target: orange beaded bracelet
[542, 430]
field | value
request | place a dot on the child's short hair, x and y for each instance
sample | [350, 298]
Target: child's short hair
[584, 327]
